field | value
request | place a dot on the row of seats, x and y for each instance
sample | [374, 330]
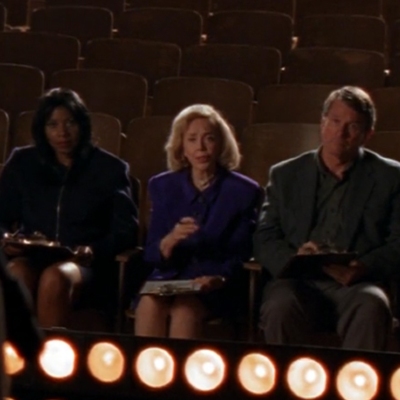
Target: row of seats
[19, 10]
[125, 96]
[255, 65]
[185, 28]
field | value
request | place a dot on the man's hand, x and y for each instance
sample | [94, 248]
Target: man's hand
[208, 283]
[308, 248]
[346, 275]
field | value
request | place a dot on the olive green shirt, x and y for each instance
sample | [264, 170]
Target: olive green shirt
[328, 222]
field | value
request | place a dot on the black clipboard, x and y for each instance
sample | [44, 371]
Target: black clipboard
[310, 265]
[50, 248]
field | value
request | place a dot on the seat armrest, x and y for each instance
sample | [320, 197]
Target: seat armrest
[130, 257]
[254, 269]
[126, 255]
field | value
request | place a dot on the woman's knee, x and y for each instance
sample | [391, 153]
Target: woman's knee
[189, 308]
[21, 269]
[56, 280]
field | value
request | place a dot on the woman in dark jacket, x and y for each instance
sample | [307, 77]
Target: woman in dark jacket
[73, 193]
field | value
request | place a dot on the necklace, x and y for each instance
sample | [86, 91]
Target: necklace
[203, 184]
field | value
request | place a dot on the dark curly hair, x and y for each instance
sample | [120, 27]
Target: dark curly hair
[61, 97]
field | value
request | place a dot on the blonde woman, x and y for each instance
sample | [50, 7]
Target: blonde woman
[203, 217]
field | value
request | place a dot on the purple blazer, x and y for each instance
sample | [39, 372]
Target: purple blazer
[226, 212]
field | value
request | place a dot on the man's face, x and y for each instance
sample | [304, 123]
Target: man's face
[343, 132]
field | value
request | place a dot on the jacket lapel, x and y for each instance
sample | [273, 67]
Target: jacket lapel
[306, 192]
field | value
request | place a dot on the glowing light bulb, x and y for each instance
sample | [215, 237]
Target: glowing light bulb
[395, 384]
[307, 378]
[205, 370]
[155, 367]
[13, 363]
[159, 363]
[260, 371]
[106, 362]
[257, 373]
[58, 359]
[357, 380]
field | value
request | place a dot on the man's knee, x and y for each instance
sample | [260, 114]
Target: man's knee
[371, 303]
[279, 301]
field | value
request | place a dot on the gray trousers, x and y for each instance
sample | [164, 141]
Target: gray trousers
[293, 310]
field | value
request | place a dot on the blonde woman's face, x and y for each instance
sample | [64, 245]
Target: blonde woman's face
[201, 144]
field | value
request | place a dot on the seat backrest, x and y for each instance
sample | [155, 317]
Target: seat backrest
[17, 12]
[233, 61]
[394, 37]
[84, 23]
[4, 126]
[353, 7]
[201, 6]
[324, 65]
[47, 51]
[116, 6]
[386, 143]
[281, 6]
[3, 17]
[106, 131]
[21, 86]
[234, 99]
[348, 31]
[394, 67]
[152, 60]
[143, 149]
[387, 102]
[172, 25]
[120, 94]
[263, 145]
[261, 28]
[291, 103]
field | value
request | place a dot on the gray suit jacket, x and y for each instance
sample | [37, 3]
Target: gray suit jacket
[371, 213]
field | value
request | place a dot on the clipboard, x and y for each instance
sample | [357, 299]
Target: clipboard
[310, 265]
[39, 243]
[170, 287]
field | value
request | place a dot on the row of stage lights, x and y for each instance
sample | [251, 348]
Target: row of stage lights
[170, 367]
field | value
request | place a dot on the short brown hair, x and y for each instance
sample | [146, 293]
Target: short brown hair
[357, 99]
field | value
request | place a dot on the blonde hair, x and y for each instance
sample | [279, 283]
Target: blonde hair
[229, 157]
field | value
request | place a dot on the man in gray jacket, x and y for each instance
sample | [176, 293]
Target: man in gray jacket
[348, 198]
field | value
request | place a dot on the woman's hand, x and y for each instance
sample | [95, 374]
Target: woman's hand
[13, 251]
[186, 227]
[83, 256]
[208, 283]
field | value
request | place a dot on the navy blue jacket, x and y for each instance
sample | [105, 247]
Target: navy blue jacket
[89, 204]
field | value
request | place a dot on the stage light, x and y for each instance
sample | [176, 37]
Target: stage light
[357, 380]
[257, 373]
[106, 362]
[58, 359]
[307, 378]
[395, 384]
[155, 367]
[205, 370]
[13, 362]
